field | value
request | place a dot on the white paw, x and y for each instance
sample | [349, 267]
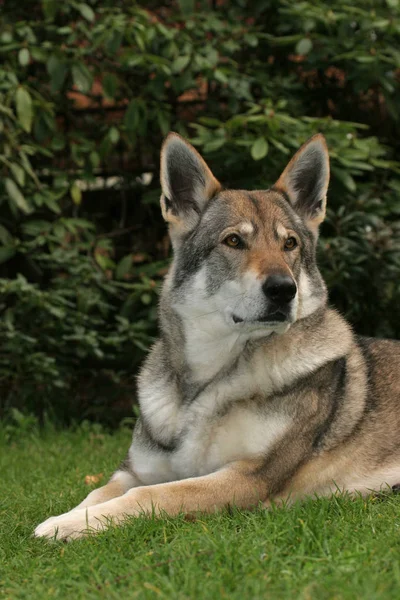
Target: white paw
[69, 526]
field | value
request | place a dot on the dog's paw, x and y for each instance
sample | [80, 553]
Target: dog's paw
[69, 526]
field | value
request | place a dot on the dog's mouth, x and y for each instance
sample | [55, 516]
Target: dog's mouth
[278, 316]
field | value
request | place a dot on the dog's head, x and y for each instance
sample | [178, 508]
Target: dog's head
[245, 258]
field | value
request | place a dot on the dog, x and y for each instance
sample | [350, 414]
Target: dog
[256, 391]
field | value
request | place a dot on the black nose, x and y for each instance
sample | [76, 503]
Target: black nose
[281, 289]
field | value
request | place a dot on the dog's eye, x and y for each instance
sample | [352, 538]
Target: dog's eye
[290, 243]
[234, 241]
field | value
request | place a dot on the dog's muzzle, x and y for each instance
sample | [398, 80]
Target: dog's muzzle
[279, 291]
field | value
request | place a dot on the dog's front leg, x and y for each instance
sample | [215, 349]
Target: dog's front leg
[238, 484]
[119, 484]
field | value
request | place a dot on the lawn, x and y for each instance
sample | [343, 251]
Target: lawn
[338, 548]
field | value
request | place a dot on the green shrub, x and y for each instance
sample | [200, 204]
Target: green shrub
[87, 92]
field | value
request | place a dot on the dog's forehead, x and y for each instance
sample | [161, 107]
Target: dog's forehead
[259, 207]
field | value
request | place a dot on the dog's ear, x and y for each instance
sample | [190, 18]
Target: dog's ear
[305, 181]
[187, 183]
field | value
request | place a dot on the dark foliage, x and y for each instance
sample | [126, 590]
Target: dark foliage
[87, 92]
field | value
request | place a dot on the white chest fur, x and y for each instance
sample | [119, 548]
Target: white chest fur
[222, 425]
[241, 433]
[235, 417]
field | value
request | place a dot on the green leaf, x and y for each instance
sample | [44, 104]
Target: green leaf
[24, 57]
[381, 23]
[5, 236]
[66, 30]
[186, 6]
[365, 59]
[28, 167]
[16, 196]
[44, 126]
[180, 63]
[110, 84]
[214, 144]
[86, 12]
[131, 118]
[82, 77]
[6, 37]
[104, 262]
[76, 194]
[280, 146]
[309, 25]
[50, 8]
[38, 54]
[58, 142]
[345, 178]
[6, 252]
[220, 76]
[146, 298]
[94, 159]
[259, 149]
[19, 174]
[57, 70]
[113, 134]
[304, 46]
[115, 42]
[52, 205]
[163, 122]
[35, 228]
[251, 39]
[23, 102]
[124, 266]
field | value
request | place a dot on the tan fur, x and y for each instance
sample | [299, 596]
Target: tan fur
[204, 494]
[112, 489]
[235, 485]
[265, 263]
[267, 256]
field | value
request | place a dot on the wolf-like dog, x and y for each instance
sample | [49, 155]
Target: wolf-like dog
[256, 390]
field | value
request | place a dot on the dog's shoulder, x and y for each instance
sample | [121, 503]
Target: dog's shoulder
[382, 357]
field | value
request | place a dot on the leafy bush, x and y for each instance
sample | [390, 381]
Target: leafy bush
[87, 92]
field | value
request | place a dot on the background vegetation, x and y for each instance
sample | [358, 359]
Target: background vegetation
[87, 92]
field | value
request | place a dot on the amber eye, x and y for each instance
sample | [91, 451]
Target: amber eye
[290, 243]
[233, 241]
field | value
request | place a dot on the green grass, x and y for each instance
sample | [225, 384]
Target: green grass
[338, 548]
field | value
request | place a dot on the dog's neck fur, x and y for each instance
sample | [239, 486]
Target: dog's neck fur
[202, 349]
[201, 346]
[213, 375]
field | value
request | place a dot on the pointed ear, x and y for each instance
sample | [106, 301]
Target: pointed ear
[187, 183]
[305, 181]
